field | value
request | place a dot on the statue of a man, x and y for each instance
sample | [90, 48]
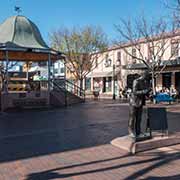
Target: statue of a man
[141, 88]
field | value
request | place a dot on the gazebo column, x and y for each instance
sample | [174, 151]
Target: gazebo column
[6, 73]
[27, 70]
[49, 77]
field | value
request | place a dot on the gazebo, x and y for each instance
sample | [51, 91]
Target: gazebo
[21, 41]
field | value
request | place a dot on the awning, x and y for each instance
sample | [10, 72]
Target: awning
[102, 74]
[135, 66]
[141, 66]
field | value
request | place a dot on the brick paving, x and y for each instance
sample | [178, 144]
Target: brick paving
[73, 144]
[103, 162]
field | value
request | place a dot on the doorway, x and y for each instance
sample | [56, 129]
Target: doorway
[177, 81]
[166, 80]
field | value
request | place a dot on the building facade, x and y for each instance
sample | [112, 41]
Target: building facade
[116, 69]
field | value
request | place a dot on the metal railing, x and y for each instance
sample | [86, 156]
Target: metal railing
[66, 85]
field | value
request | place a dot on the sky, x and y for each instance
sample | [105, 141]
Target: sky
[49, 15]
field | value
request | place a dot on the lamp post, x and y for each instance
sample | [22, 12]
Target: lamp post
[65, 76]
[114, 95]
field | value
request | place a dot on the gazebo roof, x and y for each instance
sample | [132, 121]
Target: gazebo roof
[22, 32]
[22, 38]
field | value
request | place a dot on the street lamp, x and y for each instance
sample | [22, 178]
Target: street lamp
[114, 95]
[65, 77]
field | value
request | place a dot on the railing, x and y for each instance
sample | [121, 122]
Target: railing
[44, 84]
[75, 89]
[66, 85]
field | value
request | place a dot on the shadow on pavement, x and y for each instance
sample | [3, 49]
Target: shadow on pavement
[29, 134]
[158, 161]
[176, 177]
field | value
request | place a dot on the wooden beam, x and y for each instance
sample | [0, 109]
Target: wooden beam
[28, 56]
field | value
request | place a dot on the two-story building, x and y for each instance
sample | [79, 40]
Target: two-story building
[116, 69]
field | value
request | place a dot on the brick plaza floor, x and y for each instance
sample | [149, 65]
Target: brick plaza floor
[73, 144]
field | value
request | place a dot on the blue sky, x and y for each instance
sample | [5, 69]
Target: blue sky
[51, 14]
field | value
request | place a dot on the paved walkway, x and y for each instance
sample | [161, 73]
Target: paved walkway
[73, 144]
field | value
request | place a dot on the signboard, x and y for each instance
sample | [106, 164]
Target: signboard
[158, 118]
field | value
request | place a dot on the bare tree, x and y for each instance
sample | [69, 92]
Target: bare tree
[156, 36]
[80, 46]
[4, 68]
[174, 6]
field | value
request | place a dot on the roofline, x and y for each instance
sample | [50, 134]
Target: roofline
[4, 47]
[141, 40]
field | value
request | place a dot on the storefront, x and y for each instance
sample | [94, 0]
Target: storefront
[107, 84]
[169, 78]
[166, 80]
[130, 79]
[88, 84]
[177, 81]
[103, 82]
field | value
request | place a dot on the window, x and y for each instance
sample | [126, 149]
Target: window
[166, 80]
[108, 62]
[118, 63]
[134, 55]
[150, 53]
[107, 84]
[56, 71]
[174, 48]
[42, 63]
[88, 84]
[62, 70]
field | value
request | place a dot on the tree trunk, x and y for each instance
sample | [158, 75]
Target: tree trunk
[81, 87]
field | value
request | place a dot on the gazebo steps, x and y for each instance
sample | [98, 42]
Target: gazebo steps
[60, 98]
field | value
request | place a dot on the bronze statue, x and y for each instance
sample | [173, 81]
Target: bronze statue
[141, 88]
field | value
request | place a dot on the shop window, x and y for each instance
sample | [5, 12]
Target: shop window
[166, 80]
[130, 80]
[107, 84]
[88, 84]
[97, 84]
[177, 81]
